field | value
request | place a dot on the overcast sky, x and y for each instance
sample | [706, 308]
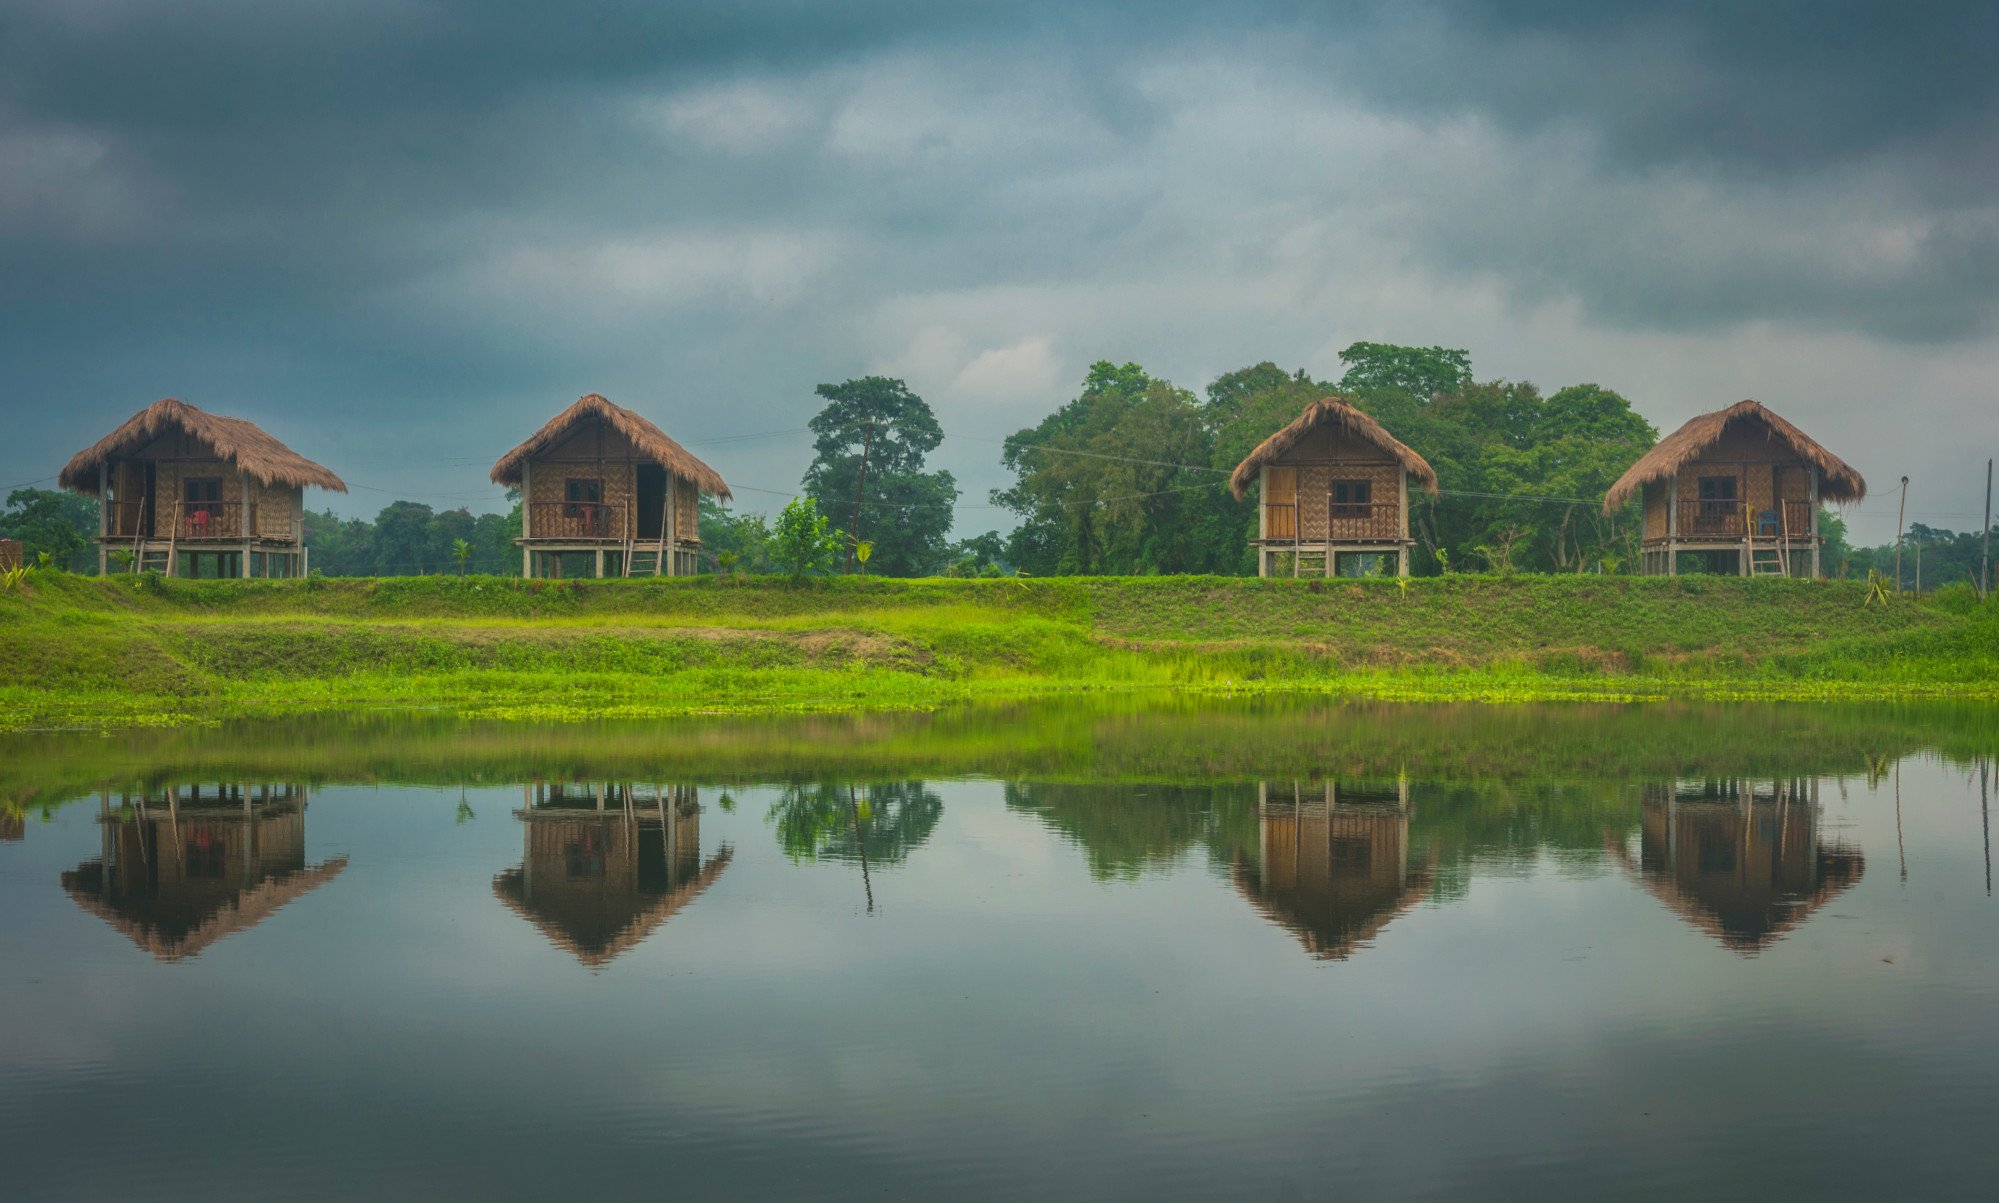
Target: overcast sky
[401, 235]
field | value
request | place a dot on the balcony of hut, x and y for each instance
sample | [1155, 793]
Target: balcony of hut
[1333, 495]
[189, 493]
[605, 492]
[1736, 492]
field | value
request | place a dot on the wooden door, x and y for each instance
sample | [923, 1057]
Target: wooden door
[1280, 503]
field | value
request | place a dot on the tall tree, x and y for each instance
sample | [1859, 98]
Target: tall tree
[1419, 372]
[904, 511]
[61, 524]
[1117, 481]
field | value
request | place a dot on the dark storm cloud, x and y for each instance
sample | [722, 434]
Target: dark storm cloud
[435, 210]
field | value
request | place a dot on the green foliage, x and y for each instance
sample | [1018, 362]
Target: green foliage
[142, 648]
[1119, 481]
[981, 555]
[56, 524]
[11, 579]
[841, 821]
[804, 542]
[904, 510]
[408, 538]
[1420, 373]
[745, 538]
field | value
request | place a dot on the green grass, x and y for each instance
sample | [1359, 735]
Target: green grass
[146, 651]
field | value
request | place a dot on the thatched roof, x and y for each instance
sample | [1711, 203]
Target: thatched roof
[651, 441]
[1746, 920]
[596, 938]
[1840, 483]
[1341, 413]
[1331, 926]
[242, 443]
[175, 936]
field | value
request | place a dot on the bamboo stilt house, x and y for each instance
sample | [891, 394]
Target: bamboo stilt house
[192, 493]
[184, 867]
[1332, 864]
[605, 864]
[1741, 860]
[1739, 488]
[601, 485]
[1334, 487]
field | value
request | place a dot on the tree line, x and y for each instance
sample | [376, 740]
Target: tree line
[1128, 477]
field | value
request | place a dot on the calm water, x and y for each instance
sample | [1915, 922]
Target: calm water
[1649, 952]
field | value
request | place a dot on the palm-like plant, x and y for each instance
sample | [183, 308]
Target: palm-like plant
[461, 550]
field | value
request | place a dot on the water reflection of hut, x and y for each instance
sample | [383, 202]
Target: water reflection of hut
[1333, 865]
[1742, 860]
[605, 864]
[183, 867]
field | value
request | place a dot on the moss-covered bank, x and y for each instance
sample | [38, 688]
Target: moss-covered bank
[141, 650]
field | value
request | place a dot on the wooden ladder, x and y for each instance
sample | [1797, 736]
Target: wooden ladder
[1771, 558]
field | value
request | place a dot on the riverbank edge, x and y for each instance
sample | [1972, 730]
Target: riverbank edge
[121, 652]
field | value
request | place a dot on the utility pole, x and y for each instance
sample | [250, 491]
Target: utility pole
[1985, 540]
[1900, 513]
[854, 527]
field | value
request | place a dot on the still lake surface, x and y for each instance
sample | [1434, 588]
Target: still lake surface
[1586, 951]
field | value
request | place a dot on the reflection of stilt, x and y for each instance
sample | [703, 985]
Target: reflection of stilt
[861, 843]
[1900, 854]
[1985, 816]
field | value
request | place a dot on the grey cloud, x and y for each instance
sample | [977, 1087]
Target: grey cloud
[456, 216]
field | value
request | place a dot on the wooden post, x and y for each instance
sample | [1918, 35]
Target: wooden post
[1262, 520]
[173, 537]
[1985, 542]
[527, 501]
[1816, 538]
[1402, 489]
[1673, 525]
[669, 530]
[243, 524]
[1901, 512]
[854, 527]
[103, 516]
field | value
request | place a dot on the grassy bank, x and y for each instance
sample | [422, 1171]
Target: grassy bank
[141, 650]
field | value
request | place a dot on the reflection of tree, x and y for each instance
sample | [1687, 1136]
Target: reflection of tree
[1127, 831]
[818, 821]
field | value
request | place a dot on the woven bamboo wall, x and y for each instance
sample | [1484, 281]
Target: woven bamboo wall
[1655, 511]
[1325, 456]
[687, 510]
[1766, 471]
[593, 451]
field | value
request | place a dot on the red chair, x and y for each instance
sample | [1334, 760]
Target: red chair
[197, 523]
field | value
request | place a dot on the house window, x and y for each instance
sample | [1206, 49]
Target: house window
[583, 503]
[1717, 494]
[202, 490]
[1353, 499]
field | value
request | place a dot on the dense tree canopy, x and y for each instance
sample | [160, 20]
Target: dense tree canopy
[63, 525]
[1129, 477]
[1120, 481]
[408, 538]
[904, 511]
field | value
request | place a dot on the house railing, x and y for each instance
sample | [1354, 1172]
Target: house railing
[125, 519]
[1332, 521]
[198, 520]
[1730, 519]
[575, 520]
